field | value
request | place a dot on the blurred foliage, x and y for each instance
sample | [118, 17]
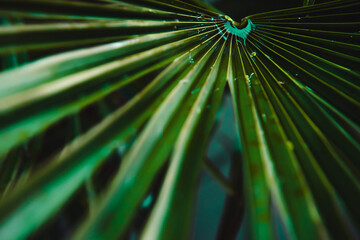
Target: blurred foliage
[110, 111]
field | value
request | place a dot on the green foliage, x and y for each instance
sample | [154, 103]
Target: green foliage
[91, 84]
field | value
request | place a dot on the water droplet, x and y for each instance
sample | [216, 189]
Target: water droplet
[176, 20]
[121, 149]
[253, 54]
[198, 110]
[191, 60]
[235, 79]
[309, 89]
[281, 82]
[147, 202]
[195, 91]
[264, 117]
[296, 74]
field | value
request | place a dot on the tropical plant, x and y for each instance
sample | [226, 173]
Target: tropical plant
[107, 109]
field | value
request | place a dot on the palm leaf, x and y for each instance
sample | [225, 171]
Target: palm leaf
[144, 81]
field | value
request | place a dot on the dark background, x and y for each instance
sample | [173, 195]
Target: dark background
[237, 9]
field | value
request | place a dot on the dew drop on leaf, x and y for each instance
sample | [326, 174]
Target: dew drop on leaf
[191, 60]
[147, 202]
[195, 91]
[264, 117]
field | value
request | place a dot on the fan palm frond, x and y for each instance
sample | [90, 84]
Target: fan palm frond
[144, 80]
